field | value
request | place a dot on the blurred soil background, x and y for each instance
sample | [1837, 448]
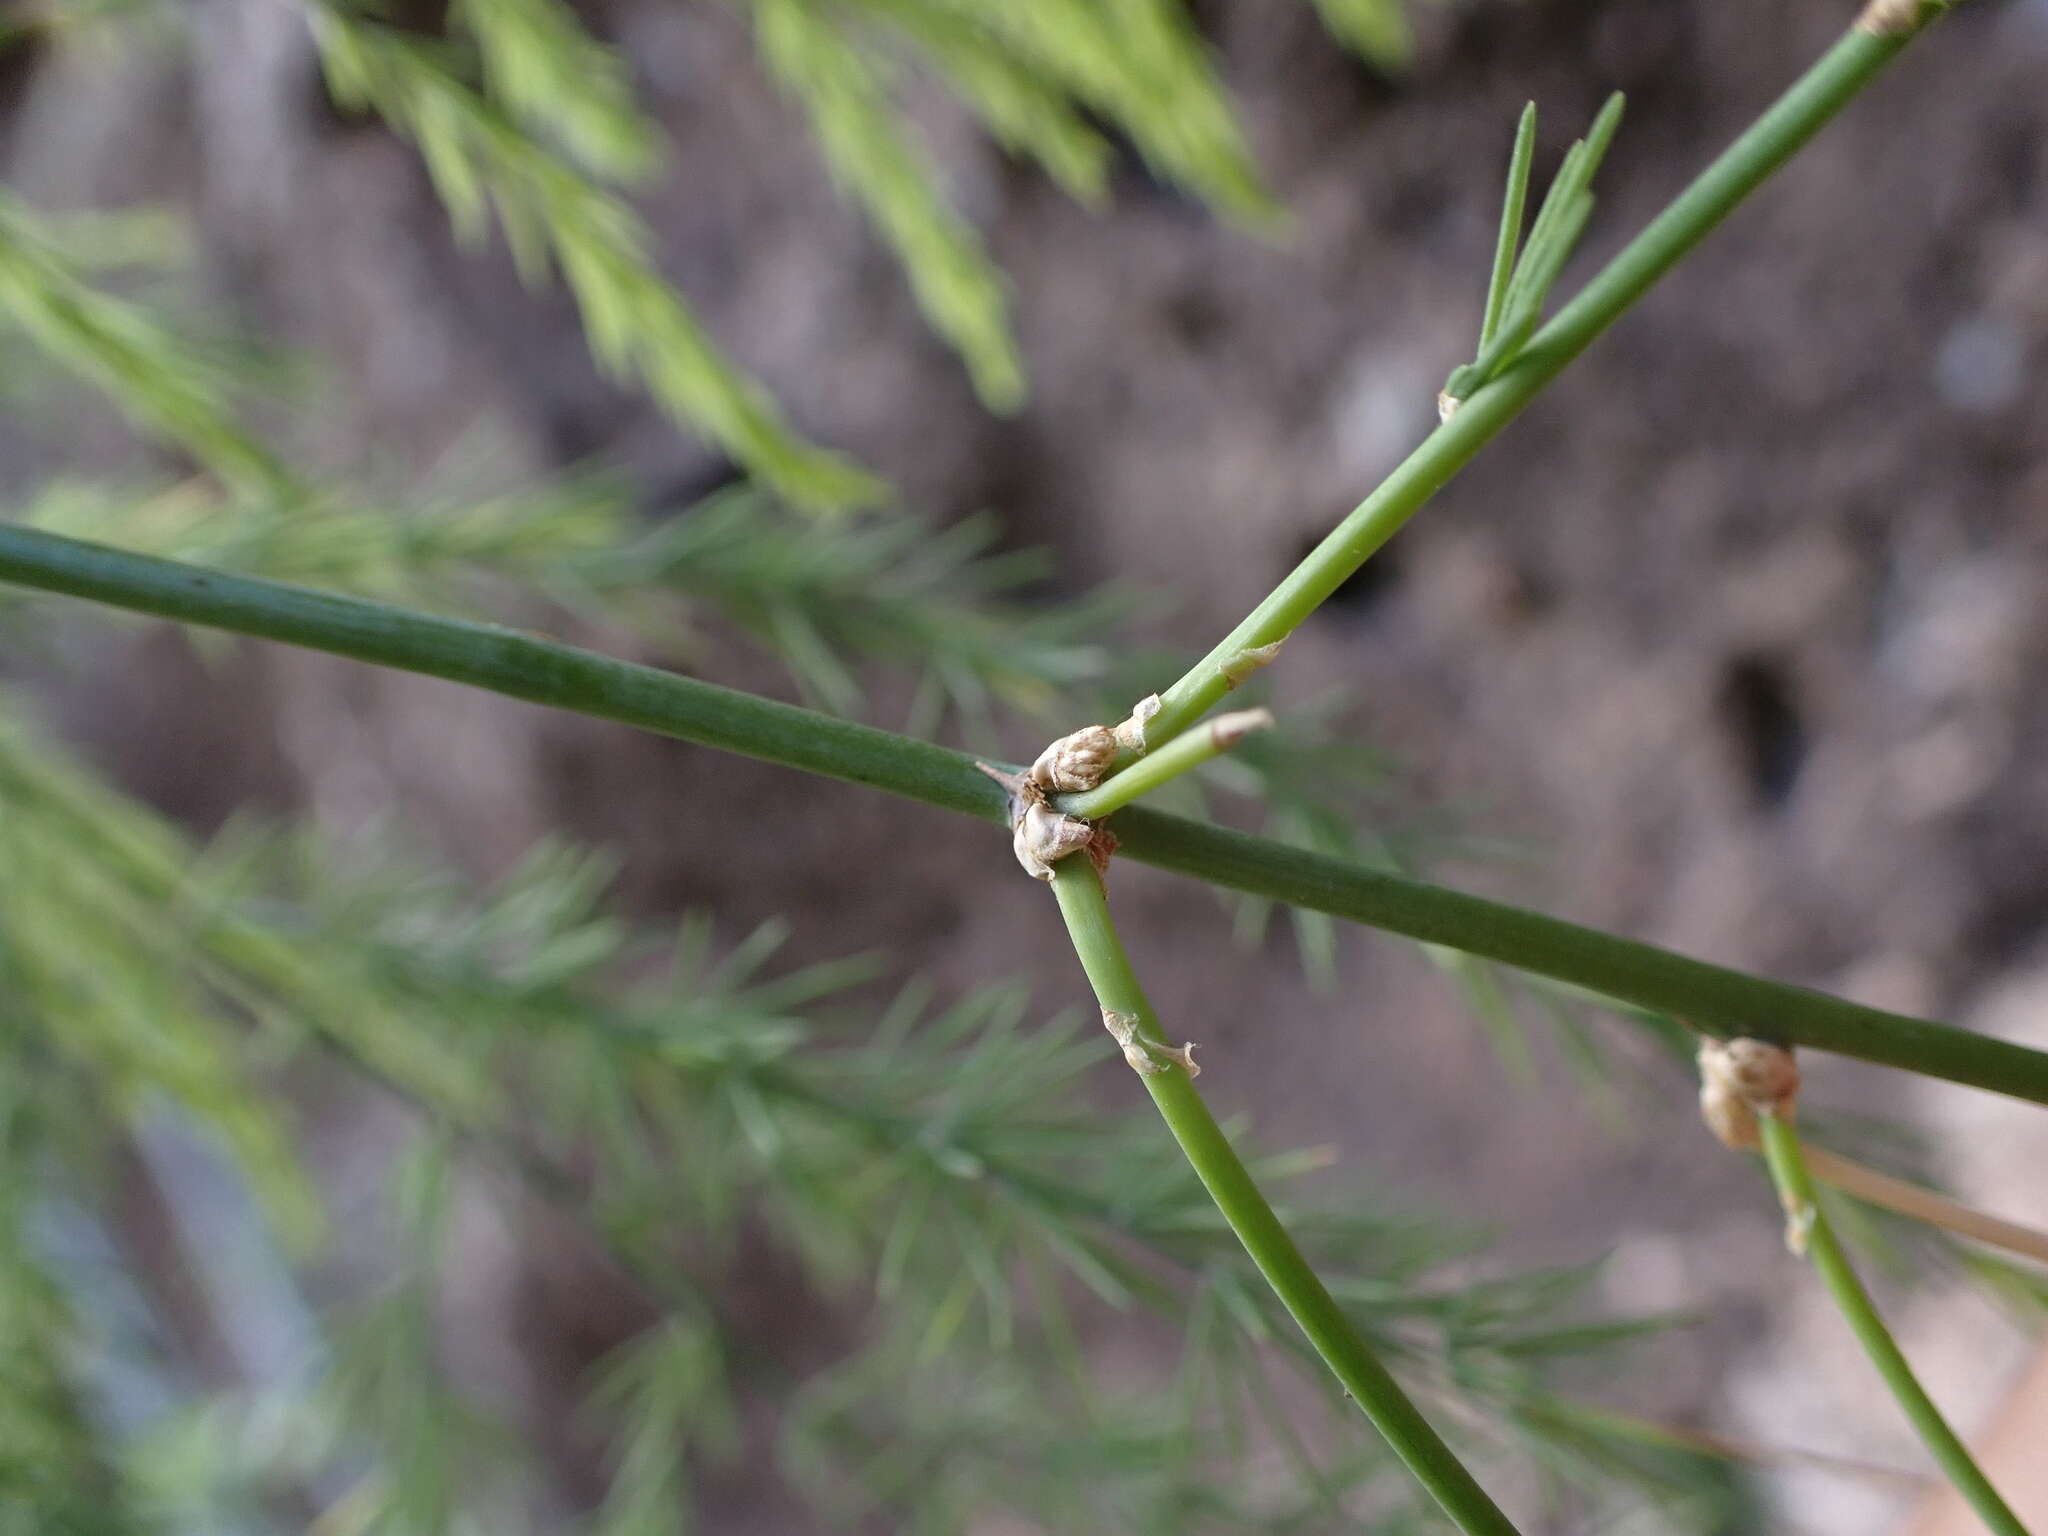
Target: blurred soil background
[1739, 637]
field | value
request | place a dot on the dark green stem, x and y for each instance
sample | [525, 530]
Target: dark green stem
[1712, 998]
[1086, 910]
[1795, 1190]
[524, 666]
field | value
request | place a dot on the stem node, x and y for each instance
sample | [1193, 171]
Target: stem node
[1896, 18]
[1147, 1058]
[1741, 1079]
[1248, 661]
[1173, 759]
[1039, 835]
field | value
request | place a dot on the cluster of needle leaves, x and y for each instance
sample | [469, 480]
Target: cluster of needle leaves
[1524, 273]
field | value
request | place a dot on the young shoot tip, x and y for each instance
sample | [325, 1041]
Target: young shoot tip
[1524, 271]
[1601, 134]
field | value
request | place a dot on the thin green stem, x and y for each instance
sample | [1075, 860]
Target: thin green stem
[1795, 1190]
[524, 666]
[508, 661]
[1919, 1203]
[1797, 115]
[1712, 998]
[1086, 909]
[1184, 752]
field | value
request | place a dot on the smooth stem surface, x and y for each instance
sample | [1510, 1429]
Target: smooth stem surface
[1795, 1190]
[1924, 1204]
[525, 666]
[1712, 998]
[1085, 907]
[1184, 752]
[1800, 113]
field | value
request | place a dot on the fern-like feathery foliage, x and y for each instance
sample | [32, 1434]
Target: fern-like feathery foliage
[166, 383]
[556, 80]
[483, 160]
[842, 88]
[535, 121]
[941, 1165]
[884, 587]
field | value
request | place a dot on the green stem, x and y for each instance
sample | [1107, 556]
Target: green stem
[1712, 998]
[1795, 1189]
[524, 666]
[1797, 115]
[1169, 762]
[508, 661]
[1086, 909]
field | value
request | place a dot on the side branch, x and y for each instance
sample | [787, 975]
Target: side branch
[1795, 1190]
[1168, 1075]
[1774, 138]
[539, 671]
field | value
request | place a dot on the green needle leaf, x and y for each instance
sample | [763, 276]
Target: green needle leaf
[1510, 223]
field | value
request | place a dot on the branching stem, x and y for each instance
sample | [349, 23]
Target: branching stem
[524, 666]
[1797, 115]
[1795, 1188]
[1189, 750]
[540, 671]
[1086, 909]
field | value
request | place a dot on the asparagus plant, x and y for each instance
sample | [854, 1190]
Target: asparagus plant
[536, 121]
